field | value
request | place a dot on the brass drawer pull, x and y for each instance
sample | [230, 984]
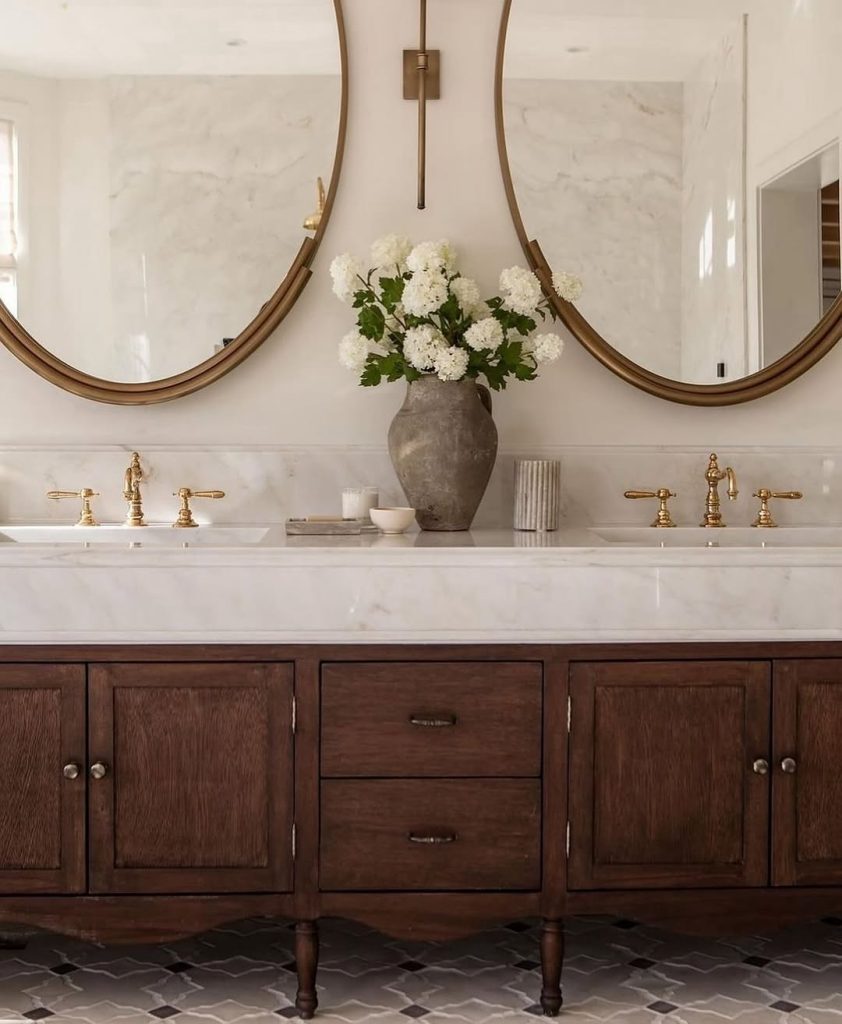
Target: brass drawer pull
[789, 765]
[760, 766]
[98, 770]
[436, 840]
[71, 771]
[433, 721]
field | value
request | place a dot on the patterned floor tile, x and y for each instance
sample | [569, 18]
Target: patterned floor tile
[616, 971]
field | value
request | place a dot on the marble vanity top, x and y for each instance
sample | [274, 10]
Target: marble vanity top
[255, 585]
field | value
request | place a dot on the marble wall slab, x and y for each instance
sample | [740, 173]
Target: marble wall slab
[271, 482]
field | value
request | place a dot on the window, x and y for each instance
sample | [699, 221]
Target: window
[8, 216]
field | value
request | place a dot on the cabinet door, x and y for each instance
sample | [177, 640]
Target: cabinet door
[807, 799]
[42, 812]
[663, 791]
[195, 793]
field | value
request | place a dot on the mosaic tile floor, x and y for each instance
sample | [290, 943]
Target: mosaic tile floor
[615, 971]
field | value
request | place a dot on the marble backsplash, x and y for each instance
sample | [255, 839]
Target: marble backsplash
[271, 482]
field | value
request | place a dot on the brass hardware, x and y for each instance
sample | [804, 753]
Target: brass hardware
[790, 367]
[760, 766]
[185, 514]
[713, 475]
[789, 765]
[313, 222]
[131, 492]
[422, 81]
[433, 721]
[265, 323]
[410, 74]
[71, 771]
[764, 517]
[663, 494]
[432, 840]
[98, 770]
[86, 514]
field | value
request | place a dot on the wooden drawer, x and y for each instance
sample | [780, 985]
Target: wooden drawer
[379, 834]
[425, 719]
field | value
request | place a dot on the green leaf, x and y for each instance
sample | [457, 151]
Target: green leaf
[371, 322]
[525, 372]
[391, 292]
[371, 375]
[363, 297]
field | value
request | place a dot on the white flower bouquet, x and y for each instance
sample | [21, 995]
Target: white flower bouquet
[418, 315]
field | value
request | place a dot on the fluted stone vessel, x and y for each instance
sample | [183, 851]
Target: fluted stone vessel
[443, 444]
[537, 494]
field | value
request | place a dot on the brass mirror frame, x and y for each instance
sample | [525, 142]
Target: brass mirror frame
[806, 354]
[17, 339]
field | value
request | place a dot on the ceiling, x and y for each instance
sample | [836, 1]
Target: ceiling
[90, 38]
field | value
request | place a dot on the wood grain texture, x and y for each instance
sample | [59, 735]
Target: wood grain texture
[42, 814]
[661, 788]
[368, 709]
[366, 826]
[199, 793]
[306, 966]
[807, 805]
[554, 855]
[552, 960]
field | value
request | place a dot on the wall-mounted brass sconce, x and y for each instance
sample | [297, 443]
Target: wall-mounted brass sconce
[313, 222]
[422, 82]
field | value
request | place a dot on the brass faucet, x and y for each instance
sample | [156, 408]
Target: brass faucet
[663, 494]
[713, 517]
[131, 492]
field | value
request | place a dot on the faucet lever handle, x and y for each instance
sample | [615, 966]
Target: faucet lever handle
[86, 513]
[663, 494]
[764, 518]
[185, 518]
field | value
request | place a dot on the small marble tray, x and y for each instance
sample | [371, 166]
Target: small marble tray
[328, 527]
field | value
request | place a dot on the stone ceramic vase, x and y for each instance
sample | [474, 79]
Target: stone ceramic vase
[443, 444]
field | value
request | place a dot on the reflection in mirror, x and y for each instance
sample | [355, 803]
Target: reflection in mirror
[683, 159]
[157, 165]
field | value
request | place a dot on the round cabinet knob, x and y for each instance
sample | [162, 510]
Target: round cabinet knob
[760, 766]
[99, 770]
[789, 765]
[71, 771]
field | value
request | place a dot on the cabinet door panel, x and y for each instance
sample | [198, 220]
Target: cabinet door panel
[42, 813]
[662, 792]
[198, 791]
[807, 804]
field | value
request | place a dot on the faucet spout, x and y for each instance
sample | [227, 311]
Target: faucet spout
[732, 483]
[713, 476]
[131, 492]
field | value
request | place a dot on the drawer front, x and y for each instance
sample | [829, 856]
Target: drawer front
[431, 719]
[439, 834]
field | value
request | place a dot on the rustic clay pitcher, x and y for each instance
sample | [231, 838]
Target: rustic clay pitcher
[443, 444]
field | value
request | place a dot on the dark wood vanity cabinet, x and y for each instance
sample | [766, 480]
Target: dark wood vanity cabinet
[427, 791]
[191, 785]
[42, 793]
[663, 793]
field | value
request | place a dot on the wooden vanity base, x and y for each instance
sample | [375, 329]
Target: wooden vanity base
[428, 792]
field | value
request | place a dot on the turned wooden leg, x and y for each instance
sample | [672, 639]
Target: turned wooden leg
[306, 964]
[552, 958]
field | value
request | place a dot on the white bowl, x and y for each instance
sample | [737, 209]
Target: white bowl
[393, 520]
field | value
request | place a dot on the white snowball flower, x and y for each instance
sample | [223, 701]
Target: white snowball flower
[484, 334]
[421, 345]
[546, 347]
[345, 271]
[568, 286]
[451, 363]
[468, 296]
[521, 290]
[425, 292]
[432, 256]
[353, 351]
[390, 252]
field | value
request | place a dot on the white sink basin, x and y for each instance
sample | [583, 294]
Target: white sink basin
[730, 536]
[148, 536]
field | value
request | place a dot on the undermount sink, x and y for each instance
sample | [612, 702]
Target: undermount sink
[731, 536]
[148, 536]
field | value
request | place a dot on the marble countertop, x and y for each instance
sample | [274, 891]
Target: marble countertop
[485, 586]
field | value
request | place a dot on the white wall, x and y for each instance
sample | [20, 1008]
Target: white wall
[293, 391]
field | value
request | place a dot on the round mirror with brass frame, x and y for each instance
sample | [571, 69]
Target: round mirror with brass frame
[764, 380]
[234, 350]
